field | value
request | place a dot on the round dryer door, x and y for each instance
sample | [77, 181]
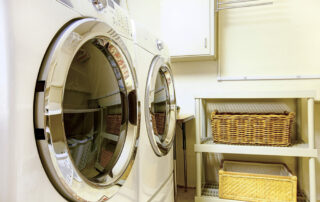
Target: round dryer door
[160, 106]
[86, 112]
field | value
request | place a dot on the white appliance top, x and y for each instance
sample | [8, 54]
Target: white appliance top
[146, 40]
[108, 11]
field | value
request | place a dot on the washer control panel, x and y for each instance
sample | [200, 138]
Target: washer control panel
[108, 11]
[120, 19]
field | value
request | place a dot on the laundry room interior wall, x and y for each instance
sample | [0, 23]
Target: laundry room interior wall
[147, 13]
[192, 78]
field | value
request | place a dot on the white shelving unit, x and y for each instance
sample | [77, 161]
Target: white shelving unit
[80, 111]
[296, 150]
[209, 193]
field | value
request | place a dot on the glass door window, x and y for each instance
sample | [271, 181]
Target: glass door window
[160, 107]
[89, 112]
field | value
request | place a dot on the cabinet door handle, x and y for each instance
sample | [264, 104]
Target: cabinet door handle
[205, 43]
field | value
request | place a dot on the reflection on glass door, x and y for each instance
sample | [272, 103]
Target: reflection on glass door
[86, 112]
[160, 107]
[94, 110]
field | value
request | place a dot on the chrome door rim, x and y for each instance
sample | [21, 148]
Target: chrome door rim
[56, 63]
[160, 148]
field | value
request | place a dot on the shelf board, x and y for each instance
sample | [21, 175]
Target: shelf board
[217, 199]
[210, 193]
[211, 199]
[107, 95]
[256, 94]
[78, 91]
[109, 136]
[297, 150]
[78, 111]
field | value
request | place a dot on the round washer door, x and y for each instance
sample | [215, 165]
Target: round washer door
[160, 106]
[87, 112]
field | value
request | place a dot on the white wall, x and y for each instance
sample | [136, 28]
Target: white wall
[278, 39]
[146, 12]
[240, 54]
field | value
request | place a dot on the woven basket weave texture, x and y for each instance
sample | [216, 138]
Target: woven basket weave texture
[254, 129]
[113, 123]
[258, 187]
[158, 123]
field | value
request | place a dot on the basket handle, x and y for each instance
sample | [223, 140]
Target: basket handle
[292, 114]
[214, 113]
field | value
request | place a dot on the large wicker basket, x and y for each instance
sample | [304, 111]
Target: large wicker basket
[247, 181]
[255, 129]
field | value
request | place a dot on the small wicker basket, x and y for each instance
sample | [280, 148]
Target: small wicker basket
[113, 123]
[254, 129]
[158, 123]
[248, 181]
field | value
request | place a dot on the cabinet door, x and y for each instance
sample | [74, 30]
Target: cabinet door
[186, 27]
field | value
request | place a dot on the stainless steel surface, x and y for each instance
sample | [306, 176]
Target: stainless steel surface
[159, 45]
[99, 4]
[244, 6]
[159, 77]
[63, 168]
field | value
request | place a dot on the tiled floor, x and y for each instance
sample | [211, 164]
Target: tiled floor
[183, 196]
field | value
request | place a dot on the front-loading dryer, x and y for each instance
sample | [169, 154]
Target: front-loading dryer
[159, 118]
[73, 108]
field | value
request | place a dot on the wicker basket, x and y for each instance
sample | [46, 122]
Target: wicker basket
[158, 122]
[113, 123]
[247, 181]
[255, 129]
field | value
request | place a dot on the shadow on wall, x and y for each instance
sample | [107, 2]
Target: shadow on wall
[200, 68]
[190, 78]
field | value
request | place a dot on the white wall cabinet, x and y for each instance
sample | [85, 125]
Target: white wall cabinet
[188, 28]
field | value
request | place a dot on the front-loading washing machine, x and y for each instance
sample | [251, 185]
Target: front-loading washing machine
[72, 118]
[158, 118]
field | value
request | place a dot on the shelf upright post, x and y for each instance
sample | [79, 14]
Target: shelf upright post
[311, 142]
[312, 176]
[198, 141]
[311, 123]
